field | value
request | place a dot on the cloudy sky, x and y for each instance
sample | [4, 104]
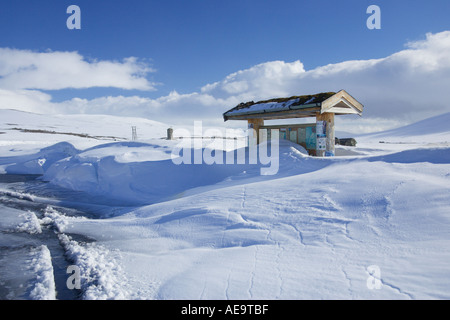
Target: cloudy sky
[177, 61]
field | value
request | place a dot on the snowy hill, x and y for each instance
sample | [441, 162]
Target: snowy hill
[431, 130]
[373, 225]
[18, 128]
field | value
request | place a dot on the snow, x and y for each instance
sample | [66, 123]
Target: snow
[371, 224]
[269, 106]
[100, 272]
[30, 224]
[44, 286]
[306, 238]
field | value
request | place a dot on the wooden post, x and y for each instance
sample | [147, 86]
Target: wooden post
[255, 124]
[329, 118]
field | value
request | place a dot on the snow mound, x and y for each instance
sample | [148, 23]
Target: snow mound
[128, 173]
[39, 162]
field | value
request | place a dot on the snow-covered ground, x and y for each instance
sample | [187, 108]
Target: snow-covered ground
[372, 223]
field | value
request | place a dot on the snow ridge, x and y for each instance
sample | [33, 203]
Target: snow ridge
[31, 223]
[41, 262]
[100, 272]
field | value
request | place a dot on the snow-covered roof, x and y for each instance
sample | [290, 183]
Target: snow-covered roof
[296, 106]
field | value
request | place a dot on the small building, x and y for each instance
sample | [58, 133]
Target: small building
[318, 137]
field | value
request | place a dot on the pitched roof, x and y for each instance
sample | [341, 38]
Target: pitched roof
[295, 106]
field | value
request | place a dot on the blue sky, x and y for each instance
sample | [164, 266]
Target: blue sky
[191, 43]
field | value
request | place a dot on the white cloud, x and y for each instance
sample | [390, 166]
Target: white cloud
[263, 80]
[174, 108]
[26, 100]
[24, 69]
[405, 86]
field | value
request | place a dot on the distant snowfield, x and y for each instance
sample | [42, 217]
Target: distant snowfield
[371, 224]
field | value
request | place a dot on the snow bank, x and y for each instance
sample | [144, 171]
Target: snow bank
[102, 171]
[39, 162]
[58, 220]
[18, 195]
[101, 274]
[44, 286]
[31, 223]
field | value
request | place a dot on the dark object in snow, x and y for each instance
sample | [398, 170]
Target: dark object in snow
[169, 134]
[345, 142]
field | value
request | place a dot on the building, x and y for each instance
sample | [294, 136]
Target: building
[318, 137]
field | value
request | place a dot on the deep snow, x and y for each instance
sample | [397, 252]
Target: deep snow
[315, 230]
